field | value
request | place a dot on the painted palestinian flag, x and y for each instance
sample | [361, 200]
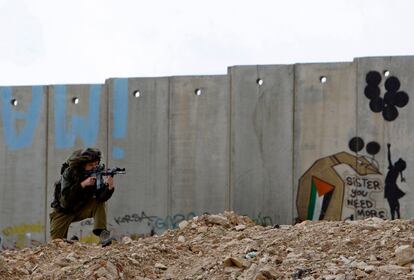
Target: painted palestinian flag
[320, 196]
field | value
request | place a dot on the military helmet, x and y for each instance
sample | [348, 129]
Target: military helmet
[81, 157]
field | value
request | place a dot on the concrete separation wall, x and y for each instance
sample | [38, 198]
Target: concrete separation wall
[138, 141]
[23, 131]
[261, 146]
[279, 143]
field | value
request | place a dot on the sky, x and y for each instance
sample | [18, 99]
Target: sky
[87, 41]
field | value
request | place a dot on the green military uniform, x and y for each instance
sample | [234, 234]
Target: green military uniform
[76, 203]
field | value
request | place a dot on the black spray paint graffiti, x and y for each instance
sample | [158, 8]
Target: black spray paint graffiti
[391, 190]
[364, 191]
[169, 222]
[172, 222]
[359, 197]
[356, 144]
[392, 99]
[262, 220]
[136, 218]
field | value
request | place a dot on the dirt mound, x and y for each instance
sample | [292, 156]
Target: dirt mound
[228, 246]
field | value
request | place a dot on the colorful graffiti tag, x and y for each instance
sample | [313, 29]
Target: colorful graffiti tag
[339, 187]
[22, 235]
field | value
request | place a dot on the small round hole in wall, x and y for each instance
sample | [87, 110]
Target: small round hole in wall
[198, 92]
[259, 82]
[75, 100]
[386, 73]
[323, 79]
[14, 102]
[136, 93]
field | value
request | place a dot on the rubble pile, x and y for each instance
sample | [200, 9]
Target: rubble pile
[228, 246]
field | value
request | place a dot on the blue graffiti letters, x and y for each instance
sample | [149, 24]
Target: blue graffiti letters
[120, 113]
[86, 127]
[24, 137]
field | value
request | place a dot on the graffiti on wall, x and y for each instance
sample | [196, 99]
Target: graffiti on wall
[120, 115]
[340, 186]
[393, 97]
[22, 235]
[67, 128]
[154, 222]
[391, 190]
[23, 137]
[346, 186]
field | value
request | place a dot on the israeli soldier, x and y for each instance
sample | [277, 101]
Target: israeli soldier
[78, 198]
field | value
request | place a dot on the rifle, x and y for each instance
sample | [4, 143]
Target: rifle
[100, 171]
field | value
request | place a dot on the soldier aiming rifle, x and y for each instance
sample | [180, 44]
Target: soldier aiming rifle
[81, 193]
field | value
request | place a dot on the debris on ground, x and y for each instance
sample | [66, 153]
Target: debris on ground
[229, 246]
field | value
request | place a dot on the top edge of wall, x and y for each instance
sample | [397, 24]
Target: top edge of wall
[168, 77]
[383, 57]
[51, 85]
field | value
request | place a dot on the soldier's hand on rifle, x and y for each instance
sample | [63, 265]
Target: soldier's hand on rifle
[110, 181]
[90, 181]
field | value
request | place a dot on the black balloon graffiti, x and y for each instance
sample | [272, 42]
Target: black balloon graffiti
[392, 99]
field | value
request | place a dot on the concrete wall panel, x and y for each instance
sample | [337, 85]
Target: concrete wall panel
[295, 146]
[261, 142]
[199, 145]
[22, 166]
[75, 126]
[391, 123]
[325, 117]
[138, 141]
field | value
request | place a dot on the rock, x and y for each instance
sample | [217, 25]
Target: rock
[218, 220]
[101, 272]
[375, 220]
[240, 227]
[126, 240]
[232, 269]
[251, 255]
[202, 229]
[183, 225]
[345, 260]
[269, 272]
[234, 261]
[404, 254]
[313, 250]
[294, 255]
[111, 268]
[333, 277]
[62, 262]
[369, 268]
[372, 258]
[300, 273]
[37, 277]
[395, 269]
[160, 266]
[71, 257]
[359, 265]
[195, 248]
